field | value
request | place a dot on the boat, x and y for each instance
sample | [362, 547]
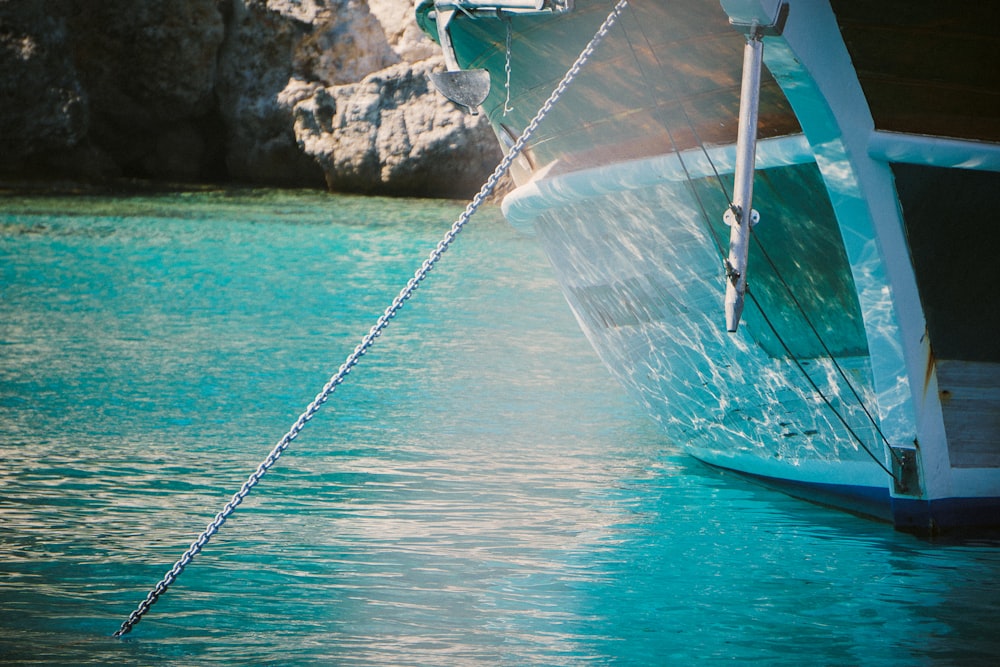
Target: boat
[768, 219]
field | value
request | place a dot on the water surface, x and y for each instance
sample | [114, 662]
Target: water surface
[477, 493]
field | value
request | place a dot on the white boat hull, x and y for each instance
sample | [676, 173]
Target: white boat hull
[861, 373]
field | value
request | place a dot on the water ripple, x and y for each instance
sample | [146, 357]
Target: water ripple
[478, 492]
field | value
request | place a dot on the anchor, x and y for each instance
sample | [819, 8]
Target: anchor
[470, 87]
[467, 88]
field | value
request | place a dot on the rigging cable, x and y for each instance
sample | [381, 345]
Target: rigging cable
[369, 339]
[722, 253]
[826, 350]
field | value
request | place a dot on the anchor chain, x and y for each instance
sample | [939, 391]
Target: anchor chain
[506, 64]
[369, 339]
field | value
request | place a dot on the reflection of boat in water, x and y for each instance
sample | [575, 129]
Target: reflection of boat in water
[877, 160]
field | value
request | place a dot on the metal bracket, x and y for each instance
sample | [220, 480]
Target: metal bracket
[734, 214]
[905, 471]
[760, 18]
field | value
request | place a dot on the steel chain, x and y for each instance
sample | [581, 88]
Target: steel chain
[506, 64]
[376, 330]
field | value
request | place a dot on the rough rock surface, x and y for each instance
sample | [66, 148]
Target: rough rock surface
[392, 131]
[149, 72]
[42, 104]
[256, 61]
[278, 92]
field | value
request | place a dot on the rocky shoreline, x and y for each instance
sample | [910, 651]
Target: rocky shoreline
[287, 93]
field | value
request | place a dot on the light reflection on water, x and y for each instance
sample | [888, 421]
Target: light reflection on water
[476, 493]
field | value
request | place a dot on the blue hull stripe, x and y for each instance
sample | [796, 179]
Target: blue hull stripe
[907, 514]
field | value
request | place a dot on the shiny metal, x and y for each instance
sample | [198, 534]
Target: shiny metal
[492, 7]
[765, 17]
[465, 87]
[756, 18]
[740, 211]
[469, 88]
[509, 38]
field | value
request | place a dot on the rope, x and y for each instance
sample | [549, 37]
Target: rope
[375, 331]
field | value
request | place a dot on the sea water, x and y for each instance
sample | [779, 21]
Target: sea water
[478, 492]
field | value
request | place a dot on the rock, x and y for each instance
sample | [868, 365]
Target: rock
[256, 61]
[401, 31]
[43, 106]
[276, 92]
[393, 133]
[149, 68]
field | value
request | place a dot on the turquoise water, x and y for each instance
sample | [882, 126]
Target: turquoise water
[477, 493]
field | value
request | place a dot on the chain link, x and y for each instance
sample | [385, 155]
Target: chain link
[369, 339]
[506, 65]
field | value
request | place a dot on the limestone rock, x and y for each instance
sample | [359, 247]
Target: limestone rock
[43, 106]
[279, 92]
[392, 132]
[149, 68]
[255, 62]
[401, 31]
